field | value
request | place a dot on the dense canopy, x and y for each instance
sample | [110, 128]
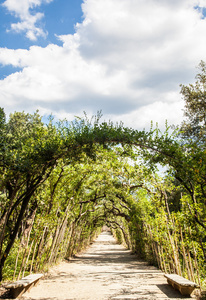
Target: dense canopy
[61, 182]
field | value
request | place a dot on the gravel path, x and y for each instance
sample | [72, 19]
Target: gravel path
[105, 271]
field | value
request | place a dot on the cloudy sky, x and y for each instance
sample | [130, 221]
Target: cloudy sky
[124, 57]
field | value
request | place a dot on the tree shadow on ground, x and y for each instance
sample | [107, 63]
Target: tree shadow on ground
[170, 292]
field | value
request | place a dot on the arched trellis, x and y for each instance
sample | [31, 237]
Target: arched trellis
[31, 150]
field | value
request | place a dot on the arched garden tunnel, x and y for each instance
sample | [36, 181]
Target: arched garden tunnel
[61, 183]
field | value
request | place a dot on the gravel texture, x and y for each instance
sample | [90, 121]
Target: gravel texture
[105, 271]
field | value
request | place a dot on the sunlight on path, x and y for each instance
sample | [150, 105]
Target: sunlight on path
[105, 271]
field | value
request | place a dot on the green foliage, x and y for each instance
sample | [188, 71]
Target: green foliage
[60, 183]
[194, 127]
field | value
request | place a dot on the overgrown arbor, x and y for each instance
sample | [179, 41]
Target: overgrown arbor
[60, 183]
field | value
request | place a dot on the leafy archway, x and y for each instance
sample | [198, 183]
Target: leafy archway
[61, 182]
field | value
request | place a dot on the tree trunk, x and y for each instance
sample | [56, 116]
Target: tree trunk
[15, 231]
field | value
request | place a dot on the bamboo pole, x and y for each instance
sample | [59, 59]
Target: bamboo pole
[26, 263]
[53, 243]
[17, 258]
[61, 234]
[195, 260]
[27, 243]
[32, 261]
[190, 265]
[39, 250]
[155, 249]
[184, 255]
[149, 234]
[175, 252]
[163, 260]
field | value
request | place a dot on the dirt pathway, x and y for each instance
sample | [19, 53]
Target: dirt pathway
[106, 271]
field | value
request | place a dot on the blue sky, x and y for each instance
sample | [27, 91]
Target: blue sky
[124, 57]
[60, 17]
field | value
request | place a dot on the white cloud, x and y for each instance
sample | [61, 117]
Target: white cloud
[127, 58]
[28, 20]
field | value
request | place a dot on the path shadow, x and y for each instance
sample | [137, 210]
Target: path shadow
[146, 294]
[128, 261]
[170, 292]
